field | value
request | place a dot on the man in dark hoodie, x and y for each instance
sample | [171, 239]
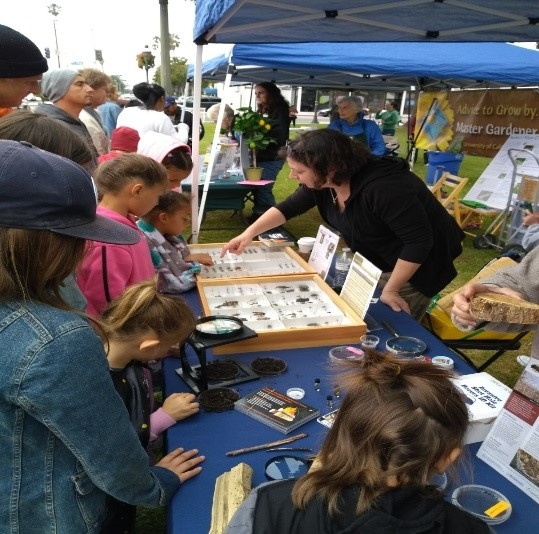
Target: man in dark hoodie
[69, 94]
[382, 210]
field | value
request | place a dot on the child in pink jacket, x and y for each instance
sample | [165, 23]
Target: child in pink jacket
[129, 186]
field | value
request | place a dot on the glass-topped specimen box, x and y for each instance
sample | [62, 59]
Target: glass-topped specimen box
[292, 311]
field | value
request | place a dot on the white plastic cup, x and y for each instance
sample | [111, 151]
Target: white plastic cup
[369, 341]
[306, 244]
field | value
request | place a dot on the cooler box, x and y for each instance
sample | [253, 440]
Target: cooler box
[440, 162]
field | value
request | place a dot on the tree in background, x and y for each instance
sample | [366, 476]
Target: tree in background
[178, 74]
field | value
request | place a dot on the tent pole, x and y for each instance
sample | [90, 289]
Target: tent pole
[197, 91]
[215, 144]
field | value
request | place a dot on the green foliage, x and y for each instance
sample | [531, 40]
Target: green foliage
[255, 129]
[178, 74]
[146, 60]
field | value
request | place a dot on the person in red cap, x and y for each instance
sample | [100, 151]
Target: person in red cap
[122, 140]
[21, 67]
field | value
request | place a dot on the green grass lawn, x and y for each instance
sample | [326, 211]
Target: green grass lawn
[505, 368]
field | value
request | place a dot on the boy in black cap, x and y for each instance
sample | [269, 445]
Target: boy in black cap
[21, 67]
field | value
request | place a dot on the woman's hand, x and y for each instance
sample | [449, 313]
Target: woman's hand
[460, 313]
[237, 244]
[180, 405]
[394, 301]
[183, 463]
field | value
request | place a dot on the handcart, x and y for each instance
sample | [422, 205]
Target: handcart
[523, 196]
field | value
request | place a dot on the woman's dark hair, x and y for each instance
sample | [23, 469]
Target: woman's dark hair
[46, 133]
[275, 98]
[148, 93]
[399, 418]
[178, 157]
[327, 150]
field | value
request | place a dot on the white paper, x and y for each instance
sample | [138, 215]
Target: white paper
[512, 445]
[492, 188]
[360, 284]
[323, 251]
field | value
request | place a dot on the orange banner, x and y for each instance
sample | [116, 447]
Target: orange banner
[475, 122]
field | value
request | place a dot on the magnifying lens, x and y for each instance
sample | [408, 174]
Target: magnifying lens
[286, 466]
[219, 327]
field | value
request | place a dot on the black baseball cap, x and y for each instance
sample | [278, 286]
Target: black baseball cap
[42, 191]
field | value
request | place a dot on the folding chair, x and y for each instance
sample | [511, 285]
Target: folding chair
[438, 321]
[447, 190]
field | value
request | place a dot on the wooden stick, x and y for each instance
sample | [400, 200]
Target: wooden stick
[267, 445]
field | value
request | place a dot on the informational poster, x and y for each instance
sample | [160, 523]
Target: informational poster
[323, 251]
[360, 284]
[475, 122]
[502, 177]
[512, 445]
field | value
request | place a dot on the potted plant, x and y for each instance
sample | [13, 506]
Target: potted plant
[255, 129]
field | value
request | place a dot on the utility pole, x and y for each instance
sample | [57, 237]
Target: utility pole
[54, 10]
[164, 37]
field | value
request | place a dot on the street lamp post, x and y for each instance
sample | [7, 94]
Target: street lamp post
[146, 56]
[54, 10]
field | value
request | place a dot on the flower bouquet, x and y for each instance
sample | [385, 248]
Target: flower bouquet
[254, 128]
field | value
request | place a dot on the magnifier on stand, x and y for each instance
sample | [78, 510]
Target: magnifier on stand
[213, 331]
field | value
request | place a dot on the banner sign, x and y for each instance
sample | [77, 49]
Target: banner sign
[475, 122]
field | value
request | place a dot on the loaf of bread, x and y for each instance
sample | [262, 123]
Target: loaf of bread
[497, 308]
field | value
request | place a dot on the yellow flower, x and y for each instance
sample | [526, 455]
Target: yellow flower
[261, 122]
[268, 126]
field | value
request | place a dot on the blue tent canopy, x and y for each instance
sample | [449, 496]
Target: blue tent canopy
[379, 65]
[253, 21]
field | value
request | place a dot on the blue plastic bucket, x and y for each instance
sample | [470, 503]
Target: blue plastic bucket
[440, 162]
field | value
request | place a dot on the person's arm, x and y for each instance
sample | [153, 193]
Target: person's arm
[89, 418]
[268, 220]
[520, 281]
[374, 137]
[402, 272]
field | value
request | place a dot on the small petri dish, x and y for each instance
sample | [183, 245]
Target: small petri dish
[345, 353]
[443, 361]
[295, 393]
[483, 502]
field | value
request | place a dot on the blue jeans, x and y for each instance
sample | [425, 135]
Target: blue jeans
[263, 196]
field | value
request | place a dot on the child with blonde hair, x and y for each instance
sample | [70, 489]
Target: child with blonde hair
[401, 422]
[171, 256]
[129, 186]
[142, 325]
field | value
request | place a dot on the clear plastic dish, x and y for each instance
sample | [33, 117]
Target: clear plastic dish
[478, 500]
[345, 353]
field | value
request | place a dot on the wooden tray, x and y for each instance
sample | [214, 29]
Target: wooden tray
[283, 337]
[238, 266]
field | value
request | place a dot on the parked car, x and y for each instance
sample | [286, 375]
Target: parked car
[206, 102]
[324, 112]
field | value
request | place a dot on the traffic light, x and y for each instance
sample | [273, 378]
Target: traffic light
[99, 56]
[48, 53]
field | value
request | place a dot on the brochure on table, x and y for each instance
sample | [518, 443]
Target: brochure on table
[323, 251]
[512, 445]
[360, 284]
[492, 188]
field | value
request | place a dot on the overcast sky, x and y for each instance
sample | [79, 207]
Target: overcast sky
[119, 28]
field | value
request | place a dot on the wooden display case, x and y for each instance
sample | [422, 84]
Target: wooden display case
[292, 311]
[258, 260]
